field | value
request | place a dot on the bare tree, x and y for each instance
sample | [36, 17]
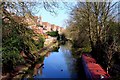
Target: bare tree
[94, 19]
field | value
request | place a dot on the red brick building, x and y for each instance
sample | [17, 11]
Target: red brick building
[40, 27]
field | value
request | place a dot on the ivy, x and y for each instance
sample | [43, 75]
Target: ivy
[16, 38]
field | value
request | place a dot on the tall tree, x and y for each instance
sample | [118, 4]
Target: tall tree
[94, 20]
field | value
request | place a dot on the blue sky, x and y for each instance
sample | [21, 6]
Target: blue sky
[59, 19]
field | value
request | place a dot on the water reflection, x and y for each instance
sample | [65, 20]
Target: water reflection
[56, 65]
[37, 67]
[47, 54]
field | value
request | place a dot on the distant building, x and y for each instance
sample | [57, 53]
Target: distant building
[46, 26]
[35, 23]
[53, 27]
[39, 20]
[42, 27]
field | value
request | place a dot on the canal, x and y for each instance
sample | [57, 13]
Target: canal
[58, 64]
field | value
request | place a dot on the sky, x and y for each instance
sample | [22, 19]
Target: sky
[58, 19]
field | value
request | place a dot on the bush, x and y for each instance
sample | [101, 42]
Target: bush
[53, 33]
[40, 42]
[16, 38]
[12, 55]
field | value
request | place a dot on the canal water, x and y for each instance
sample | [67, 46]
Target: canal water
[58, 65]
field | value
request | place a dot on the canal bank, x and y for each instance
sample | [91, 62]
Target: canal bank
[20, 70]
[61, 64]
[55, 63]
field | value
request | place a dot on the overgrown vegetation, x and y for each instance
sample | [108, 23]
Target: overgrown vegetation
[17, 37]
[53, 33]
[95, 25]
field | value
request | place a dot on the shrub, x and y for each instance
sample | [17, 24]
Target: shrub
[53, 33]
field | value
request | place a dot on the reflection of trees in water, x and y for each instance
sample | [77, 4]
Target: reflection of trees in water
[70, 61]
[40, 71]
[33, 69]
[55, 48]
[67, 45]
[73, 63]
[47, 54]
[36, 67]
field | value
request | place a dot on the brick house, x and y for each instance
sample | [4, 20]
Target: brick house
[53, 27]
[46, 26]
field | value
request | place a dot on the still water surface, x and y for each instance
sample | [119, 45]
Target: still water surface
[59, 64]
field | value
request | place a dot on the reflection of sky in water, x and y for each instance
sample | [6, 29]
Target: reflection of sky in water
[57, 65]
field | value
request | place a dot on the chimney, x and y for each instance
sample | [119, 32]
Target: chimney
[40, 20]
